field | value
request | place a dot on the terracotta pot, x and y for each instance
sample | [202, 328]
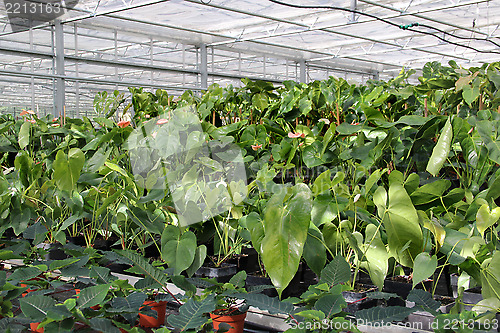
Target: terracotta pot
[148, 321]
[34, 327]
[237, 322]
[27, 291]
[24, 285]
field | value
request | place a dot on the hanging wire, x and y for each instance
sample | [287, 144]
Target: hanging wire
[409, 27]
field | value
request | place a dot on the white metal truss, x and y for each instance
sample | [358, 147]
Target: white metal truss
[189, 44]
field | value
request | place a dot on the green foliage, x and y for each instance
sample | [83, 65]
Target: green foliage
[286, 222]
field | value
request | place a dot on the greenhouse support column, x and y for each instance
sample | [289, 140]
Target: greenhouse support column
[60, 84]
[302, 77]
[354, 8]
[32, 69]
[204, 66]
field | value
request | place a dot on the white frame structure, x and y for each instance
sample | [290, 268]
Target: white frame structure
[177, 45]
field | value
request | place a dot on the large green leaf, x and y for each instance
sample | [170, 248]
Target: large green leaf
[67, 168]
[191, 313]
[24, 274]
[286, 225]
[103, 325]
[430, 192]
[490, 277]
[326, 208]
[266, 303]
[92, 296]
[143, 265]
[490, 132]
[424, 299]
[401, 223]
[131, 303]
[441, 150]
[24, 135]
[423, 267]
[313, 156]
[386, 315]
[485, 218]
[36, 307]
[330, 304]
[178, 250]
[199, 258]
[322, 183]
[376, 255]
[337, 271]
[20, 218]
[315, 250]
[255, 226]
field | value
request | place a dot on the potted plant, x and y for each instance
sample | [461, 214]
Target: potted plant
[229, 308]
[157, 305]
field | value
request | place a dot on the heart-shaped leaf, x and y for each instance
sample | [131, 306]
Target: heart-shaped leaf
[286, 223]
[423, 267]
[485, 218]
[67, 168]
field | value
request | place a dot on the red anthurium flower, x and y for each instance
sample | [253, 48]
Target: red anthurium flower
[256, 147]
[292, 135]
[161, 121]
[123, 123]
[55, 119]
[25, 112]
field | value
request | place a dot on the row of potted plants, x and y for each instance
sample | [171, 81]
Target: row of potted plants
[398, 179]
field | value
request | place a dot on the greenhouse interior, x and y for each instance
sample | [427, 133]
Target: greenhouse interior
[249, 166]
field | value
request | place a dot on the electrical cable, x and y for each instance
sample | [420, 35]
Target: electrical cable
[403, 27]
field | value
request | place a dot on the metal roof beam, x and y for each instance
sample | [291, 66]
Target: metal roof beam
[378, 4]
[304, 26]
[300, 49]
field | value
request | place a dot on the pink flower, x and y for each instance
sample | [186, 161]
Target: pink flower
[292, 135]
[161, 121]
[256, 147]
[31, 120]
[300, 144]
[147, 116]
[470, 131]
[354, 123]
[25, 112]
[123, 123]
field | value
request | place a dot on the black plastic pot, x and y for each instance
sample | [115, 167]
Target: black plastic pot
[55, 251]
[256, 280]
[77, 240]
[220, 274]
[151, 251]
[248, 261]
[472, 296]
[119, 268]
[402, 289]
[309, 277]
[293, 288]
[357, 300]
